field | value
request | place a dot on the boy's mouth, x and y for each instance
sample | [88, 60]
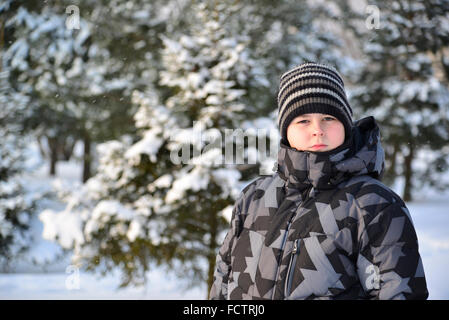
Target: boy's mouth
[318, 146]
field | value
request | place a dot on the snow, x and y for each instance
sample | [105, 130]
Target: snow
[135, 230]
[195, 180]
[19, 51]
[149, 145]
[228, 179]
[64, 226]
[227, 213]
[28, 286]
[5, 226]
[431, 220]
[105, 210]
[162, 182]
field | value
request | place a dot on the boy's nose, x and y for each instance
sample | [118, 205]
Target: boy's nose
[317, 130]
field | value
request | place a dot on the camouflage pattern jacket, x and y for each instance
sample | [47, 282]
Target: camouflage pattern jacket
[322, 227]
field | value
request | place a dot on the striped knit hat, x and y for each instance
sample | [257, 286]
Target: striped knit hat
[312, 88]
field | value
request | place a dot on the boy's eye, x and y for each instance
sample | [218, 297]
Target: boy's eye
[329, 118]
[302, 121]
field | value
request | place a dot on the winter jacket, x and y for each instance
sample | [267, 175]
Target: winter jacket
[322, 227]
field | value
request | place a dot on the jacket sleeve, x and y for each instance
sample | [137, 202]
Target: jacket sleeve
[219, 289]
[388, 263]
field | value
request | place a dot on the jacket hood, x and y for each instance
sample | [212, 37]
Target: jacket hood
[361, 154]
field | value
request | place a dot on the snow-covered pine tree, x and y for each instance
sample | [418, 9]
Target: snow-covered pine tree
[74, 87]
[115, 222]
[405, 85]
[16, 206]
[38, 54]
[211, 70]
[142, 207]
[96, 215]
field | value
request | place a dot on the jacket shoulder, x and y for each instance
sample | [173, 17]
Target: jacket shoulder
[374, 197]
[256, 188]
[370, 187]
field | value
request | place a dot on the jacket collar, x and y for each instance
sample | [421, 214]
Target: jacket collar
[361, 154]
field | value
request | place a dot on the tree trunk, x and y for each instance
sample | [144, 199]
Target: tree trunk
[2, 42]
[53, 146]
[67, 148]
[43, 152]
[53, 161]
[391, 173]
[86, 158]
[408, 173]
[212, 252]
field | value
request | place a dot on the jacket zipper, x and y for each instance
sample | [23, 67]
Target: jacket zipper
[291, 268]
[282, 250]
[294, 254]
[309, 193]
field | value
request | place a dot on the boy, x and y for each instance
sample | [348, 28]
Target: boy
[323, 226]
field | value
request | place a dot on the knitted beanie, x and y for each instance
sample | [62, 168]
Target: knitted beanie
[312, 88]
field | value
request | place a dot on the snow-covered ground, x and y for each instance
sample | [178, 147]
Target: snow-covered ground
[58, 281]
[431, 220]
[31, 286]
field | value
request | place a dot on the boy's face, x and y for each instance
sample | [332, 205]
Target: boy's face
[315, 132]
